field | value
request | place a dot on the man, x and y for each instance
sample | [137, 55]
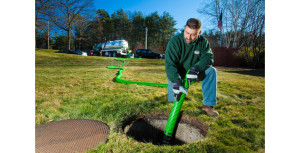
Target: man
[190, 50]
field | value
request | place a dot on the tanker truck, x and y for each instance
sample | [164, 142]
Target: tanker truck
[116, 48]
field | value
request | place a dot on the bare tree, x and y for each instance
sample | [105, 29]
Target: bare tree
[64, 12]
[254, 38]
[243, 25]
[238, 16]
[41, 7]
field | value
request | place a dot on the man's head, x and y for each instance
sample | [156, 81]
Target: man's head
[192, 30]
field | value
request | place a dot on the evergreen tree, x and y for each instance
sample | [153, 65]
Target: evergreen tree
[121, 24]
[60, 42]
[152, 23]
[105, 21]
[137, 34]
[167, 30]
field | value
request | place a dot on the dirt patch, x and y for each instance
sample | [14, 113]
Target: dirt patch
[150, 129]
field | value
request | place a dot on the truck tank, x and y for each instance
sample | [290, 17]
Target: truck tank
[115, 48]
[117, 44]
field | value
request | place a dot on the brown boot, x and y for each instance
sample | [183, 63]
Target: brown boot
[210, 111]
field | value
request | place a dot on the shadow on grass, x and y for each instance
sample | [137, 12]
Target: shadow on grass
[61, 51]
[259, 73]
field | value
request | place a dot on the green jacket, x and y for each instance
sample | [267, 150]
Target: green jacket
[181, 56]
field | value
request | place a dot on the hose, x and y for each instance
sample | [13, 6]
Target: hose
[118, 78]
[176, 106]
[174, 114]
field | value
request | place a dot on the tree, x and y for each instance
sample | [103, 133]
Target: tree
[79, 26]
[41, 25]
[64, 13]
[42, 40]
[105, 21]
[94, 32]
[152, 23]
[60, 42]
[40, 8]
[121, 24]
[167, 29]
[137, 34]
[237, 16]
[254, 38]
[243, 25]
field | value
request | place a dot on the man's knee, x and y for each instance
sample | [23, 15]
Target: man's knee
[211, 71]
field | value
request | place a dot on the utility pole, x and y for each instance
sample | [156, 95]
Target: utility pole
[146, 38]
[48, 34]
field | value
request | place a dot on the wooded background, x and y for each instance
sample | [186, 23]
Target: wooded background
[77, 25]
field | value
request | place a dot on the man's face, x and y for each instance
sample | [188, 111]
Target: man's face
[190, 35]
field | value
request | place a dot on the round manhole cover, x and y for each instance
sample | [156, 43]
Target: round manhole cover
[150, 129]
[73, 135]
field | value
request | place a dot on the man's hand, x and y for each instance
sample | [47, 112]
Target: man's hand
[178, 89]
[192, 76]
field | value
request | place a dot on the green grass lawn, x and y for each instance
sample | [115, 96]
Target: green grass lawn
[69, 86]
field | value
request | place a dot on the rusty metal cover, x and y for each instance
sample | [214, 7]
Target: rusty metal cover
[73, 135]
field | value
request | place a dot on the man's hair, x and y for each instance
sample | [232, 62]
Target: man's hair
[193, 23]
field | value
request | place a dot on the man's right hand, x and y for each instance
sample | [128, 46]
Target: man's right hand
[178, 89]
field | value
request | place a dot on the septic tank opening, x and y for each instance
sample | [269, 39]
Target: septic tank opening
[150, 129]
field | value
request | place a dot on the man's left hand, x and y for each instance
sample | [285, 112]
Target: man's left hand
[192, 76]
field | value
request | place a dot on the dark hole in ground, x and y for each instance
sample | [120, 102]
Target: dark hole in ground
[150, 129]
